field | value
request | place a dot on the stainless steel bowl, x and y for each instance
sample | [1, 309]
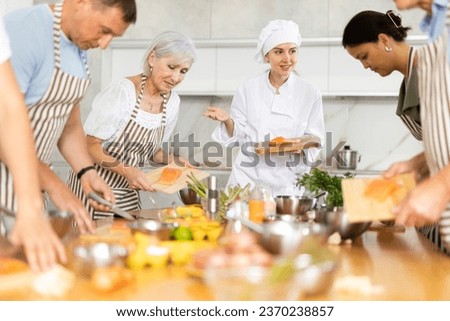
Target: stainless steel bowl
[162, 230]
[296, 205]
[284, 238]
[189, 197]
[86, 257]
[337, 221]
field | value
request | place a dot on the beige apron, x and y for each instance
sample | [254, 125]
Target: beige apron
[49, 115]
[134, 147]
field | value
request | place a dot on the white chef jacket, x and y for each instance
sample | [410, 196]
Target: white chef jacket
[260, 114]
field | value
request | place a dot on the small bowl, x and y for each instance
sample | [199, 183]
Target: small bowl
[86, 257]
[162, 230]
[296, 205]
[284, 238]
[61, 221]
[189, 197]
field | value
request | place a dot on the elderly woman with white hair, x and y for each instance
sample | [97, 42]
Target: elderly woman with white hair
[275, 103]
[131, 118]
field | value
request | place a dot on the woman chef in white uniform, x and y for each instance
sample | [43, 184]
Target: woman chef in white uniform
[275, 103]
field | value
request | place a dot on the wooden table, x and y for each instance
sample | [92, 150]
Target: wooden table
[402, 265]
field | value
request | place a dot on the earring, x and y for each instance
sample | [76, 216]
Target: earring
[388, 49]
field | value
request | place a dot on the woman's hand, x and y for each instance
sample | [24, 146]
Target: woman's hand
[137, 180]
[216, 113]
[425, 203]
[416, 166]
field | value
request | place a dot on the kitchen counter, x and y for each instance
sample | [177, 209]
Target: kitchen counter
[396, 265]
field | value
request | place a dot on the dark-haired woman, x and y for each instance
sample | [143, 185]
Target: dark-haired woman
[378, 41]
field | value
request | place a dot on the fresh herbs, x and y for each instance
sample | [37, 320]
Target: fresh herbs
[320, 181]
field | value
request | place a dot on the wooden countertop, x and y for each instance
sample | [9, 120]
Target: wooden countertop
[400, 265]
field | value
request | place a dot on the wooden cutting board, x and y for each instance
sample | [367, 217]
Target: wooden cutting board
[154, 175]
[291, 145]
[361, 208]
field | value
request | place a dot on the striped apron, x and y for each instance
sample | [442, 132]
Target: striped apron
[49, 115]
[434, 90]
[414, 126]
[133, 147]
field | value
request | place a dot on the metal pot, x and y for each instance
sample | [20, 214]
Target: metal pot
[348, 159]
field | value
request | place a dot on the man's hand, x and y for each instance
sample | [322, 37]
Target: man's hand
[91, 182]
[41, 245]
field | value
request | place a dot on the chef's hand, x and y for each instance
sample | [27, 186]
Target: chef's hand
[33, 231]
[91, 182]
[216, 113]
[425, 203]
[137, 180]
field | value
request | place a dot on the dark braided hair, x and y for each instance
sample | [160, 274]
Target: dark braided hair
[367, 25]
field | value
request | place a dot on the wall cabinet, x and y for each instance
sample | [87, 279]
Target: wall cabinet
[222, 65]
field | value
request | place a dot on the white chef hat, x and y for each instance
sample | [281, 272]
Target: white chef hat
[276, 32]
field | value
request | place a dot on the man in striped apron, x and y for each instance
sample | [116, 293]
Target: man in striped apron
[50, 61]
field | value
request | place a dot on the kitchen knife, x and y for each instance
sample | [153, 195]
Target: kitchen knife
[112, 206]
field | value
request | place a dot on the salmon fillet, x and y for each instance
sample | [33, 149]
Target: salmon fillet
[277, 140]
[169, 176]
[381, 189]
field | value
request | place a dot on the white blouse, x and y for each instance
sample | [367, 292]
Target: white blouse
[112, 107]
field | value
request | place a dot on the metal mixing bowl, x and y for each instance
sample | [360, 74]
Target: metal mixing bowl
[296, 205]
[284, 238]
[337, 221]
[189, 197]
[85, 257]
[161, 230]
